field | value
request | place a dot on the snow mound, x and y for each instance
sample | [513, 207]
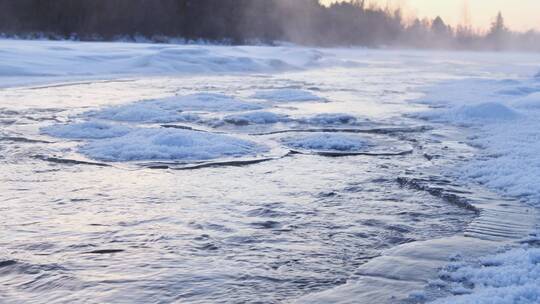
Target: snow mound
[287, 95]
[168, 144]
[86, 130]
[467, 91]
[174, 109]
[328, 142]
[531, 101]
[509, 277]
[488, 112]
[252, 118]
[331, 119]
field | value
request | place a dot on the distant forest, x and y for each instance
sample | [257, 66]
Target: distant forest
[305, 22]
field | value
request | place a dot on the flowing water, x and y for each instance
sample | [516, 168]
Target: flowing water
[267, 230]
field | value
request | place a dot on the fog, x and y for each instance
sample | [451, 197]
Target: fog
[304, 22]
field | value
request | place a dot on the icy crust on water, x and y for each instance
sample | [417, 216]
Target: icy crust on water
[144, 113]
[206, 102]
[174, 109]
[287, 95]
[86, 130]
[259, 117]
[503, 116]
[265, 117]
[114, 133]
[167, 144]
[328, 142]
[505, 278]
[331, 119]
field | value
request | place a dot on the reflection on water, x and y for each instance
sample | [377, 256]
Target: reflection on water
[261, 233]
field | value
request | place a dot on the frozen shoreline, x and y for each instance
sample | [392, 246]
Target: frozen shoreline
[502, 119]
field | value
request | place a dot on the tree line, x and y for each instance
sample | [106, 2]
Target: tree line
[307, 22]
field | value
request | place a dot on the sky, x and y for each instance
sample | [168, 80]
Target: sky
[520, 15]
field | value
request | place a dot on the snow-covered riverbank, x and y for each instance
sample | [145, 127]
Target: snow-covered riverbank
[502, 118]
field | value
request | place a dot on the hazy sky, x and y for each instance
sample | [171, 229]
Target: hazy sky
[519, 14]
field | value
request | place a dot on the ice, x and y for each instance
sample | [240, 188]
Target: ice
[328, 142]
[174, 109]
[508, 277]
[251, 118]
[206, 102]
[169, 144]
[287, 95]
[331, 119]
[86, 130]
[143, 112]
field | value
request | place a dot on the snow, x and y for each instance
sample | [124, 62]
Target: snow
[251, 118]
[503, 118]
[531, 101]
[86, 130]
[506, 129]
[328, 142]
[509, 277]
[21, 61]
[488, 112]
[287, 95]
[169, 144]
[174, 109]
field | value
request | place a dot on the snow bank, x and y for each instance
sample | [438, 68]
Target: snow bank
[252, 118]
[507, 130]
[509, 277]
[86, 130]
[21, 61]
[169, 144]
[174, 109]
[505, 126]
[287, 95]
[328, 142]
